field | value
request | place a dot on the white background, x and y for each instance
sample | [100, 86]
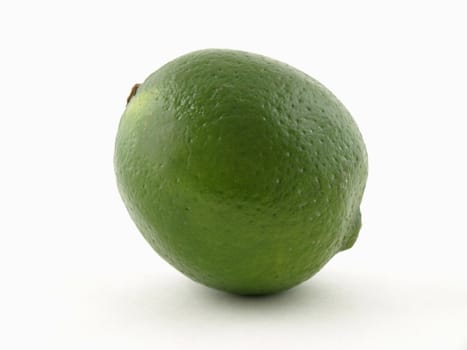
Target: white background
[76, 274]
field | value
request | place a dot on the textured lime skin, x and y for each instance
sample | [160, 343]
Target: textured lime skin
[242, 172]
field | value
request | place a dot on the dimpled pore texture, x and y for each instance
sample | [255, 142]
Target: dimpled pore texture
[242, 172]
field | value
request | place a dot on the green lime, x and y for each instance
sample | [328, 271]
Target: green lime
[242, 172]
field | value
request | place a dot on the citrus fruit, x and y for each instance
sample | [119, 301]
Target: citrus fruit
[242, 172]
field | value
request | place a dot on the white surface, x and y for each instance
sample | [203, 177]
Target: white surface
[75, 272]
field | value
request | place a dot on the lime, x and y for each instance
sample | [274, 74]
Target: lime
[242, 172]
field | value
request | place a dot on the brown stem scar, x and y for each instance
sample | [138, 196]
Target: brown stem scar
[132, 92]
